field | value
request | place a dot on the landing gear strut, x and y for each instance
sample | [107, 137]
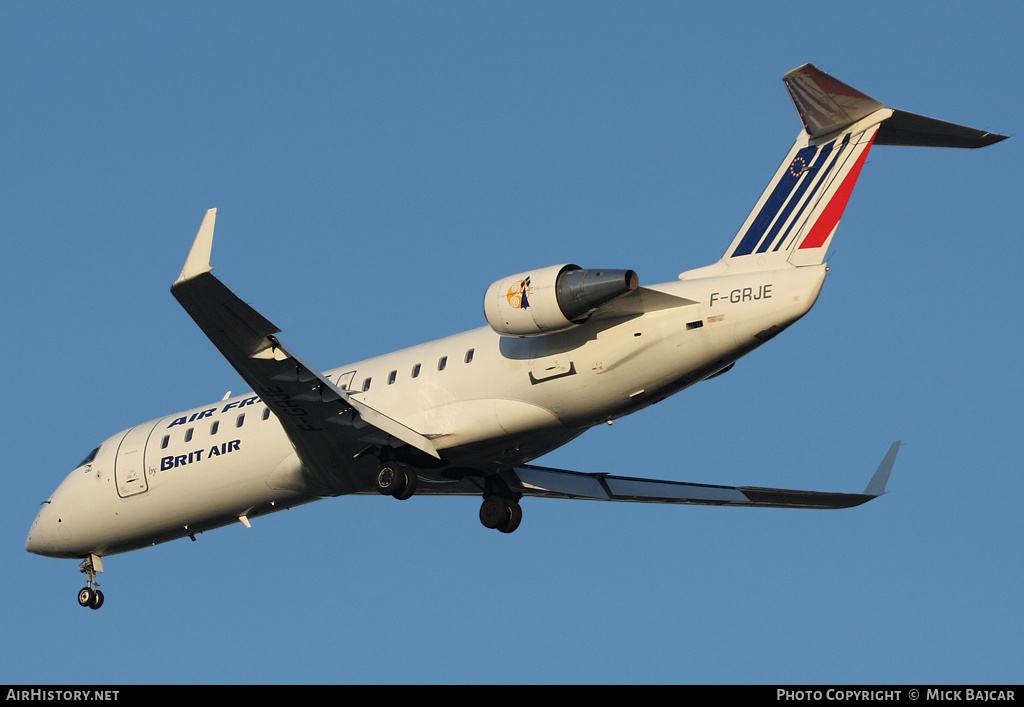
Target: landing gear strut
[90, 595]
[398, 480]
[501, 513]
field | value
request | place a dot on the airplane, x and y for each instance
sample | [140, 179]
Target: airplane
[564, 349]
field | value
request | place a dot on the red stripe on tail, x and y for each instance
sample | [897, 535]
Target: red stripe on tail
[829, 218]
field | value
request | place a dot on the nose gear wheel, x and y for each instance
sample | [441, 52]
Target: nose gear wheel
[90, 595]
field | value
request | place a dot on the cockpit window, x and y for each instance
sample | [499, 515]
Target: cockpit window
[89, 459]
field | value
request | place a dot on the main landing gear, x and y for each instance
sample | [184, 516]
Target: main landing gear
[500, 513]
[500, 509]
[90, 595]
[396, 479]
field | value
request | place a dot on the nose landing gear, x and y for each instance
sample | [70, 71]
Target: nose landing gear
[90, 595]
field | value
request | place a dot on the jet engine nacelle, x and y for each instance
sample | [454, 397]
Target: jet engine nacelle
[552, 299]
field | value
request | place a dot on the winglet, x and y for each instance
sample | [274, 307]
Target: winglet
[198, 261]
[876, 487]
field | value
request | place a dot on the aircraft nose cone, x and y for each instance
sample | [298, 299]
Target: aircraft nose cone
[42, 539]
[36, 540]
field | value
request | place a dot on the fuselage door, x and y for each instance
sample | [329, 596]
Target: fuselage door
[130, 464]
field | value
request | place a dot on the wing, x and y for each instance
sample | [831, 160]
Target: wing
[327, 426]
[556, 483]
[545, 482]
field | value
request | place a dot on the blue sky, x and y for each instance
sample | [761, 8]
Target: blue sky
[376, 166]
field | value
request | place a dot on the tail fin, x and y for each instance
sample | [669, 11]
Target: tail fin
[794, 220]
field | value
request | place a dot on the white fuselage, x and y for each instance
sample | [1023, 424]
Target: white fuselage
[487, 402]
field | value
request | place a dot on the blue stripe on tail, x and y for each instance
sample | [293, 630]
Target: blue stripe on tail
[817, 177]
[776, 202]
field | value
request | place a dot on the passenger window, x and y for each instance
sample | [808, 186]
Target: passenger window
[391, 377]
[442, 362]
[266, 413]
[165, 441]
[416, 370]
[188, 435]
[366, 384]
[240, 420]
[469, 356]
[214, 427]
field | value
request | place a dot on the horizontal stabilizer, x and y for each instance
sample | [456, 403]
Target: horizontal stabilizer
[827, 105]
[910, 129]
